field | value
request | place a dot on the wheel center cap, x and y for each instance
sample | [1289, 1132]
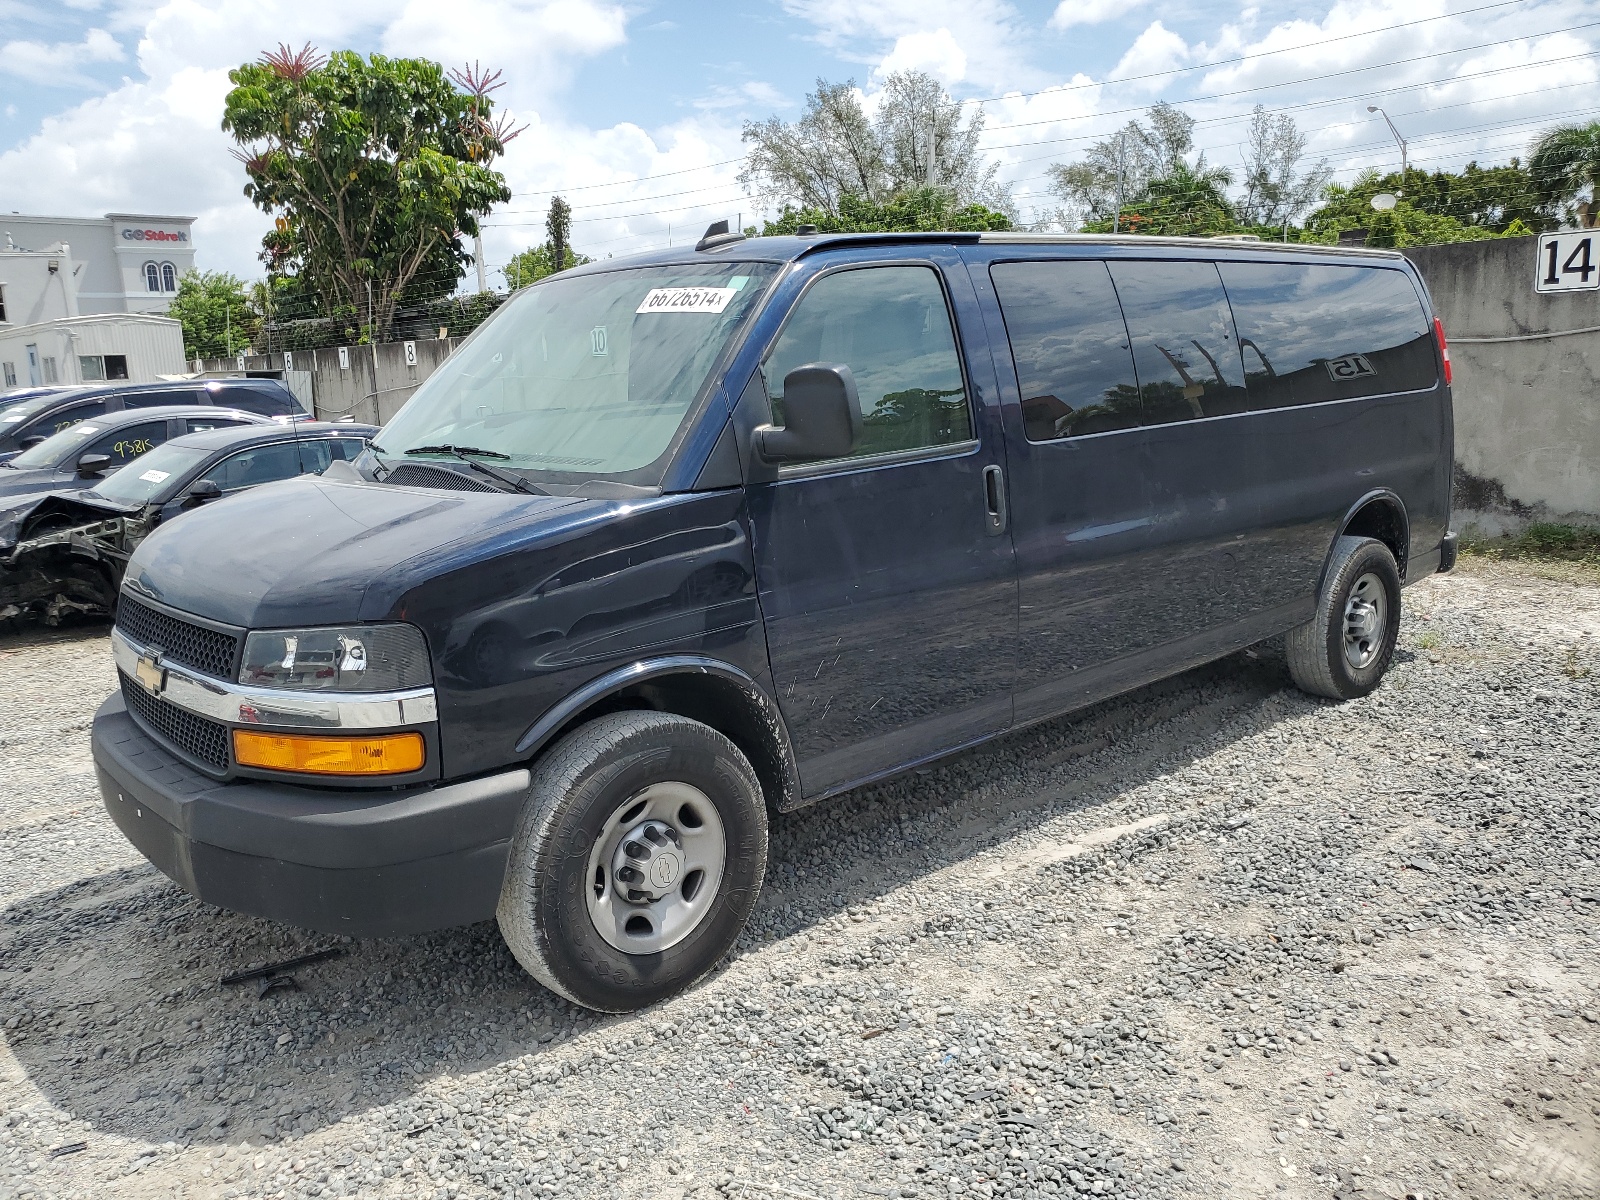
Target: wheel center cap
[648, 863]
[1363, 619]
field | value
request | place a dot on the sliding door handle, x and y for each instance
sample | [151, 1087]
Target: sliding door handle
[994, 499]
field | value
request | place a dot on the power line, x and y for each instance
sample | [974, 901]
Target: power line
[1225, 62]
[1298, 82]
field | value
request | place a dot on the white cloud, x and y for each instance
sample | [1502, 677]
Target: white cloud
[1090, 12]
[992, 35]
[752, 91]
[937, 53]
[1154, 53]
[59, 65]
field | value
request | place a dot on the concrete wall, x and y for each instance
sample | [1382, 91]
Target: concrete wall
[369, 383]
[1527, 404]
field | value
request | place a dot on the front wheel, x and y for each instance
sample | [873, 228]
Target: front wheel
[636, 862]
[1344, 650]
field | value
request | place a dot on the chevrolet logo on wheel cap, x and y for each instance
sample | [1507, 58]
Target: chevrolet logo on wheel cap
[152, 676]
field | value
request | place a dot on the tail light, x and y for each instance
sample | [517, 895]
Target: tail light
[1444, 348]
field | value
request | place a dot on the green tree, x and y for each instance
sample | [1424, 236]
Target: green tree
[836, 150]
[1565, 161]
[1433, 207]
[1183, 201]
[218, 319]
[375, 169]
[558, 231]
[534, 263]
[925, 210]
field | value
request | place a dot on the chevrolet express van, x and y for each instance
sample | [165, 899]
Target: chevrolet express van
[676, 540]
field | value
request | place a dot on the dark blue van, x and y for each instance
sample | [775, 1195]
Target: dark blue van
[678, 539]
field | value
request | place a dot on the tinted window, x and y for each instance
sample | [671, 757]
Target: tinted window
[257, 465]
[128, 443]
[1070, 346]
[1182, 332]
[891, 327]
[156, 397]
[62, 418]
[1314, 333]
[317, 454]
[264, 402]
[201, 424]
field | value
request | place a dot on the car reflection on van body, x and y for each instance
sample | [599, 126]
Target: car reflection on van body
[678, 539]
[63, 551]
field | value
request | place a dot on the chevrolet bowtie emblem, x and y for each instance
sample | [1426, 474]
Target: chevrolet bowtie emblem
[151, 675]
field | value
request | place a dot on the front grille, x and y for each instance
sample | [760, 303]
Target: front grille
[416, 475]
[203, 740]
[208, 651]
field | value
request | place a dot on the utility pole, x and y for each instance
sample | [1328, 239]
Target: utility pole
[1373, 108]
[1116, 221]
[477, 253]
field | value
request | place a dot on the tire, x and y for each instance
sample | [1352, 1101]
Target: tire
[619, 773]
[1340, 653]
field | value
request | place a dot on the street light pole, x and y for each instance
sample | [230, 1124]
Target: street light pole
[1373, 108]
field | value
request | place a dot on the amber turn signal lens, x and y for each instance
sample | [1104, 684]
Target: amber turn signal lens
[386, 754]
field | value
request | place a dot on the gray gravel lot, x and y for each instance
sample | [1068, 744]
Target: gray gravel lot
[1212, 939]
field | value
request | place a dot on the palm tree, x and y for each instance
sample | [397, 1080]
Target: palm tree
[1565, 161]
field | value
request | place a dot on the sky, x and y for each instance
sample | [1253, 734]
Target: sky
[634, 111]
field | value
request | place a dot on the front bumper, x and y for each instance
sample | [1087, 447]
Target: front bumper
[368, 864]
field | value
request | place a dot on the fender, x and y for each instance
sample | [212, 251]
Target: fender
[1385, 494]
[768, 722]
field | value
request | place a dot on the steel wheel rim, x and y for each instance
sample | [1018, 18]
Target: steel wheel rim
[671, 837]
[1366, 621]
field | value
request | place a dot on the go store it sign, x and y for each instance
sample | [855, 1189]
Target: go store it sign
[154, 235]
[1568, 262]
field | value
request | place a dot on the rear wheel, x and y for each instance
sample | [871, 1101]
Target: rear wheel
[1344, 650]
[636, 862]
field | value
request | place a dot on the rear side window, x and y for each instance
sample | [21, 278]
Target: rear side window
[1070, 347]
[160, 396]
[261, 401]
[1183, 340]
[891, 327]
[1311, 333]
[202, 424]
[317, 454]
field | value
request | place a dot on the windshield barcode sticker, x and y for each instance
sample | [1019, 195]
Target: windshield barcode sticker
[686, 299]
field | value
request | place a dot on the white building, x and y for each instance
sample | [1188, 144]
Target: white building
[80, 298]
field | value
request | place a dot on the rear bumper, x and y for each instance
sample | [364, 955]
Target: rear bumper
[368, 864]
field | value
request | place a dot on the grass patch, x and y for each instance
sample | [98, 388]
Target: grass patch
[1544, 541]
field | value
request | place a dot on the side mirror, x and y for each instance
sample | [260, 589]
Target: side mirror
[92, 466]
[200, 491]
[821, 415]
[29, 442]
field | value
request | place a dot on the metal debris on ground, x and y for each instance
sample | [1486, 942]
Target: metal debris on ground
[69, 1148]
[305, 960]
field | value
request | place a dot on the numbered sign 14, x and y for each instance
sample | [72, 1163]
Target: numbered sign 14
[1568, 262]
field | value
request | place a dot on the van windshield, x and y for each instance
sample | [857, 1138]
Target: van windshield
[582, 377]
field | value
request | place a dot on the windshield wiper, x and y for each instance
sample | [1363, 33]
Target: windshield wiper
[509, 478]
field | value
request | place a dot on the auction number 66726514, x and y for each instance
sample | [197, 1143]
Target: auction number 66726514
[1568, 262]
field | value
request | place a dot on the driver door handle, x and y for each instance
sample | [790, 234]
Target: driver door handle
[994, 498]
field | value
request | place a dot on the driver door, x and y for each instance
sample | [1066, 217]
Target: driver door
[886, 581]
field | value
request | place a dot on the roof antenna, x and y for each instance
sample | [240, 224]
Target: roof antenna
[717, 234]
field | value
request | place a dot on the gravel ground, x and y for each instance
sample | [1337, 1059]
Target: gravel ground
[1212, 939]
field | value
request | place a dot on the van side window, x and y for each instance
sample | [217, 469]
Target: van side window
[1070, 347]
[891, 327]
[1311, 333]
[1183, 341]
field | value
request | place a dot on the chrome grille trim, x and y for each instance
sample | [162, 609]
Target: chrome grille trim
[235, 704]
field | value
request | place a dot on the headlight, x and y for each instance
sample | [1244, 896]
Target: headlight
[349, 658]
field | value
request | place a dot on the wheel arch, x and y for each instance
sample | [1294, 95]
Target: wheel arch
[1380, 514]
[703, 689]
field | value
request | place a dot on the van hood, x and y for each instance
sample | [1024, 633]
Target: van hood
[313, 551]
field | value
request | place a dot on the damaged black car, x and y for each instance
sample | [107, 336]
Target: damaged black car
[64, 553]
